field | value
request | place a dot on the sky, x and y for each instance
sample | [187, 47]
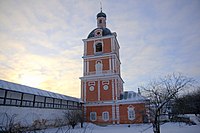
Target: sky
[41, 41]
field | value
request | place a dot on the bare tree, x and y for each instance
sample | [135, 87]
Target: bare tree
[188, 103]
[161, 92]
[74, 117]
[10, 125]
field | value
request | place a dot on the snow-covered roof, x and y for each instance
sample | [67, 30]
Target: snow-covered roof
[30, 90]
[131, 96]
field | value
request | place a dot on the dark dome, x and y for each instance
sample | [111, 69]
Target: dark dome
[105, 32]
[101, 14]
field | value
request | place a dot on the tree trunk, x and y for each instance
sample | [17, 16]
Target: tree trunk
[81, 124]
[156, 124]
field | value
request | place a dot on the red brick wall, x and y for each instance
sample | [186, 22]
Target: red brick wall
[139, 112]
[106, 94]
[105, 62]
[90, 49]
[99, 110]
[106, 46]
[92, 95]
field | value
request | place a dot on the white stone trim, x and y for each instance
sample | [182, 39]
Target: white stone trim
[113, 64]
[130, 102]
[99, 93]
[116, 89]
[85, 49]
[108, 76]
[113, 114]
[94, 46]
[113, 90]
[100, 31]
[109, 103]
[87, 66]
[103, 55]
[105, 116]
[95, 114]
[91, 83]
[131, 112]
[84, 90]
[112, 45]
[110, 64]
[96, 38]
[99, 104]
[117, 112]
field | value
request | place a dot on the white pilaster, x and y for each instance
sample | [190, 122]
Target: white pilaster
[84, 90]
[85, 48]
[84, 67]
[113, 114]
[87, 70]
[116, 88]
[112, 45]
[110, 64]
[113, 64]
[99, 90]
[117, 112]
[113, 90]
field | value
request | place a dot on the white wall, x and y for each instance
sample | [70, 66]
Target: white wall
[26, 116]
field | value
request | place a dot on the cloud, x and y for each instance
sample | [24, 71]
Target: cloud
[43, 40]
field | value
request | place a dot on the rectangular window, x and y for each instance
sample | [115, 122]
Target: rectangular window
[27, 103]
[57, 103]
[39, 101]
[49, 103]
[14, 95]
[2, 93]
[1, 101]
[93, 116]
[64, 104]
[28, 97]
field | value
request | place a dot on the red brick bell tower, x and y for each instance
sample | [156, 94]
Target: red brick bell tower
[101, 84]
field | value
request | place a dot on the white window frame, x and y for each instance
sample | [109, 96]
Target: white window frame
[131, 113]
[93, 114]
[98, 30]
[105, 115]
[99, 71]
[94, 46]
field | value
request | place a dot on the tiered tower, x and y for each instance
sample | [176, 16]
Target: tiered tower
[101, 83]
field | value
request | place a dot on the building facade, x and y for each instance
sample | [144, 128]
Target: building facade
[102, 85]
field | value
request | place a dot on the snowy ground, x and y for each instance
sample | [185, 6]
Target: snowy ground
[134, 128]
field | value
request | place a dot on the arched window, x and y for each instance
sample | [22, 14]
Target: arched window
[105, 116]
[100, 21]
[98, 67]
[98, 47]
[93, 116]
[131, 113]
